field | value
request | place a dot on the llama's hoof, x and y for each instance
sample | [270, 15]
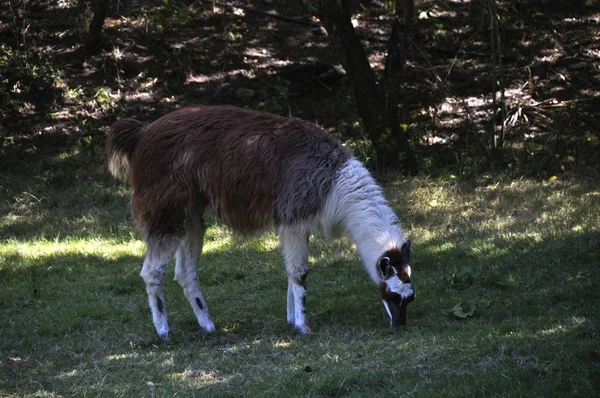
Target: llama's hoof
[209, 328]
[163, 333]
[303, 329]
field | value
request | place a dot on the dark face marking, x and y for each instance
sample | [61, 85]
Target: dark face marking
[159, 304]
[397, 306]
[396, 264]
[396, 261]
[199, 302]
[302, 280]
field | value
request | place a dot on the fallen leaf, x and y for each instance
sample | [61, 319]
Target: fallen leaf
[463, 311]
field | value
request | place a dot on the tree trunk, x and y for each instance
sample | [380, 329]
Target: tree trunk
[396, 144]
[377, 107]
[335, 16]
[498, 84]
[95, 30]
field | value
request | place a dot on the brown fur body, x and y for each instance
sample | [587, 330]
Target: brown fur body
[251, 168]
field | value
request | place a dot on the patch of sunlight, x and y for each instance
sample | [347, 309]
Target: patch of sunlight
[485, 248]
[433, 203]
[342, 248]
[501, 223]
[264, 243]
[70, 373]
[269, 243]
[425, 235]
[536, 237]
[43, 393]
[230, 328]
[198, 378]
[233, 349]
[218, 244]
[556, 195]
[442, 248]
[49, 248]
[557, 330]
[282, 344]
[117, 357]
[218, 76]
[217, 230]
[258, 52]
[561, 330]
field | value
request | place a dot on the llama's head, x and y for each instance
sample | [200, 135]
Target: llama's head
[396, 288]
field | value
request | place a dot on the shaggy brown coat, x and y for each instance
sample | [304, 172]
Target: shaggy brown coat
[253, 169]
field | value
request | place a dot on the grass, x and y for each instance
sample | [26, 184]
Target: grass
[522, 254]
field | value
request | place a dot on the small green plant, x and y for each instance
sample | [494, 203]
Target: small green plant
[461, 278]
[465, 310]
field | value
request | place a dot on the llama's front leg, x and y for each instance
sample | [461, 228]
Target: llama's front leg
[294, 243]
[153, 272]
[291, 315]
[185, 273]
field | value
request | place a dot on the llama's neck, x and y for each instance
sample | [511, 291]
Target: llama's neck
[358, 205]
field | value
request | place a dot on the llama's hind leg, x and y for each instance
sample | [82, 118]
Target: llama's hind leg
[294, 242]
[185, 272]
[160, 252]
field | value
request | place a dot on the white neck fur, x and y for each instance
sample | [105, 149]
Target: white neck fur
[357, 203]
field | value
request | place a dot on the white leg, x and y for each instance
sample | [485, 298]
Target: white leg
[291, 317]
[160, 252]
[294, 242]
[185, 272]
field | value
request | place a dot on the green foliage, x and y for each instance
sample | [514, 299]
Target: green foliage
[462, 311]
[171, 15]
[26, 77]
[276, 99]
[461, 278]
[465, 310]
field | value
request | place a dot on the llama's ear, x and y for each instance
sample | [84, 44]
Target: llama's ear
[405, 251]
[384, 266]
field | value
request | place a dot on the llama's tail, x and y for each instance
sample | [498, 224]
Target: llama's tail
[121, 142]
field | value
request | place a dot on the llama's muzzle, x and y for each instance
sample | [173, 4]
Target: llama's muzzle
[396, 302]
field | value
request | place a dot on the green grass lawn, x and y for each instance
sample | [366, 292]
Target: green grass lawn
[506, 272]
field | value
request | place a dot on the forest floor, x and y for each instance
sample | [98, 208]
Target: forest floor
[271, 55]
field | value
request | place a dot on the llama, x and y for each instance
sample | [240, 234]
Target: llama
[255, 171]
